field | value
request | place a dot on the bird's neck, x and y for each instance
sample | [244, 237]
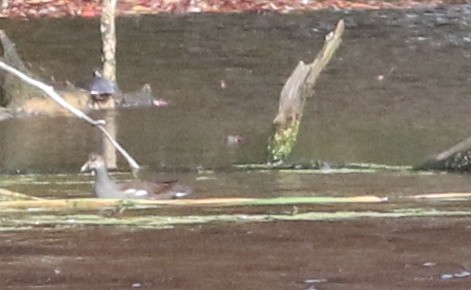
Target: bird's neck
[104, 185]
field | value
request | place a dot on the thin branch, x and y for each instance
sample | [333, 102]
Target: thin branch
[132, 163]
[463, 145]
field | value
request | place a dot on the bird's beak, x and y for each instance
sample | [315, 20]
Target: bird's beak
[85, 167]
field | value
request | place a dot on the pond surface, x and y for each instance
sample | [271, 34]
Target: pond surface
[418, 108]
[361, 255]
[396, 92]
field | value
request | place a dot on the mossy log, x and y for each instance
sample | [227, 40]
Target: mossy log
[296, 90]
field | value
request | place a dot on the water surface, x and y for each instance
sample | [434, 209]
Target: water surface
[395, 93]
[418, 108]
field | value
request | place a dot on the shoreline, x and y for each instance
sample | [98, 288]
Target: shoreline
[22, 9]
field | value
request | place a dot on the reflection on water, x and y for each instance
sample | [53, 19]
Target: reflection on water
[396, 91]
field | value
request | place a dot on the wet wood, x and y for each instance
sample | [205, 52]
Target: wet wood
[94, 203]
[296, 90]
[455, 158]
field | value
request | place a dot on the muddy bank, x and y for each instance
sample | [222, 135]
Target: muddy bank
[364, 254]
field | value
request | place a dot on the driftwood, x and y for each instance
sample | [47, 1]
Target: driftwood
[455, 158]
[296, 90]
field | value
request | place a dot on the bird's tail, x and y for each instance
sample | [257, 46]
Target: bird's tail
[181, 191]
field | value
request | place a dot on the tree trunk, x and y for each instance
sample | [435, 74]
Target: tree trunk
[108, 38]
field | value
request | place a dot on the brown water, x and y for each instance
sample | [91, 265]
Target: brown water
[419, 107]
[366, 255]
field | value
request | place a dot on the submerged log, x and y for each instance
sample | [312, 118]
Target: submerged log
[296, 90]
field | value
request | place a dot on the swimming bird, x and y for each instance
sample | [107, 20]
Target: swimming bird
[105, 187]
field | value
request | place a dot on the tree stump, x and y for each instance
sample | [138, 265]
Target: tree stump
[296, 90]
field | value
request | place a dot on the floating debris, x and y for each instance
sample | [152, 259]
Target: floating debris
[315, 280]
[461, 274]
[429, 264]
[235, 140]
